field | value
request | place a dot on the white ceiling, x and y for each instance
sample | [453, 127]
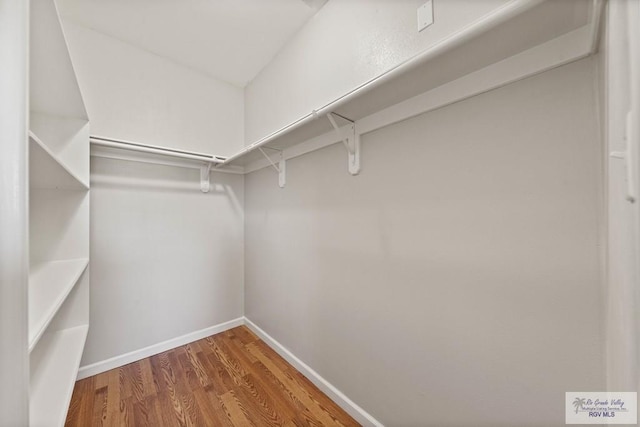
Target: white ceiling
[231, 40]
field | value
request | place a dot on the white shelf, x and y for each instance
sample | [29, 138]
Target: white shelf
[53, 87]
[514, 28]
[49, 285]
[519, 39]
[47, 170]
[53, 376]
[58, 294]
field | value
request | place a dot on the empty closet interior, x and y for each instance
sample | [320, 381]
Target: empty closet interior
[429, 208]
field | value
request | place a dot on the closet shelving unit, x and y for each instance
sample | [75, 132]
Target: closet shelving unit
[58, 294]
[517, 40]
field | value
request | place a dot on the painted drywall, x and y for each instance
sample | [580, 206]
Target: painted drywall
[362, 39]
[457, 279]
[166, 259]
[135, 95]
[622, 261]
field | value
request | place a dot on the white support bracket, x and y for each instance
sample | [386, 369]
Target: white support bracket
[281, 168]
[351, 140]
[205, 183]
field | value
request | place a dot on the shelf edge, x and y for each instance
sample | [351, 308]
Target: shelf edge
[481, 25]
[57, 159]
[74, 365]
[43, 325]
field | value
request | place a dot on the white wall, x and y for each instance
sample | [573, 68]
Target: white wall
[136, 95]
[359, 38]
[166, 259]
[457, 279]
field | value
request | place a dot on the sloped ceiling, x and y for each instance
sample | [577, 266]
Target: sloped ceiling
[231, 40]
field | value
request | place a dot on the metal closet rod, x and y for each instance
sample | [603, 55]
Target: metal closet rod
[503, 14]
[154, 149]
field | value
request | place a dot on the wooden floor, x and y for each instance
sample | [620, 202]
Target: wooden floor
[228, 379]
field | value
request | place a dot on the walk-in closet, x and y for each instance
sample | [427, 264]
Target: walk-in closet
[319, 212]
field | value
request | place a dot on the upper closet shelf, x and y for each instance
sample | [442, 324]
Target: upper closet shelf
[58, 123]
[53, 87]
[515, 41]
[568, 29]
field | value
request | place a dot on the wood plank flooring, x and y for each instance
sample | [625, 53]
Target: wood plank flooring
[229, 379]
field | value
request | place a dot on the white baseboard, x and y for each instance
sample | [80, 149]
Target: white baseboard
[117, 361]
[325, 386]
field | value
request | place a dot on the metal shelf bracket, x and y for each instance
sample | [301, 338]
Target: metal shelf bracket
[205, 183]
[281, 168]
[351, 140]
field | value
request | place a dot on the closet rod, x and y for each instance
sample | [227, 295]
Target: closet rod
[501, 15]
[152, 149]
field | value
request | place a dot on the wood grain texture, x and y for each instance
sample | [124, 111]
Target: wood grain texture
[227, 380]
